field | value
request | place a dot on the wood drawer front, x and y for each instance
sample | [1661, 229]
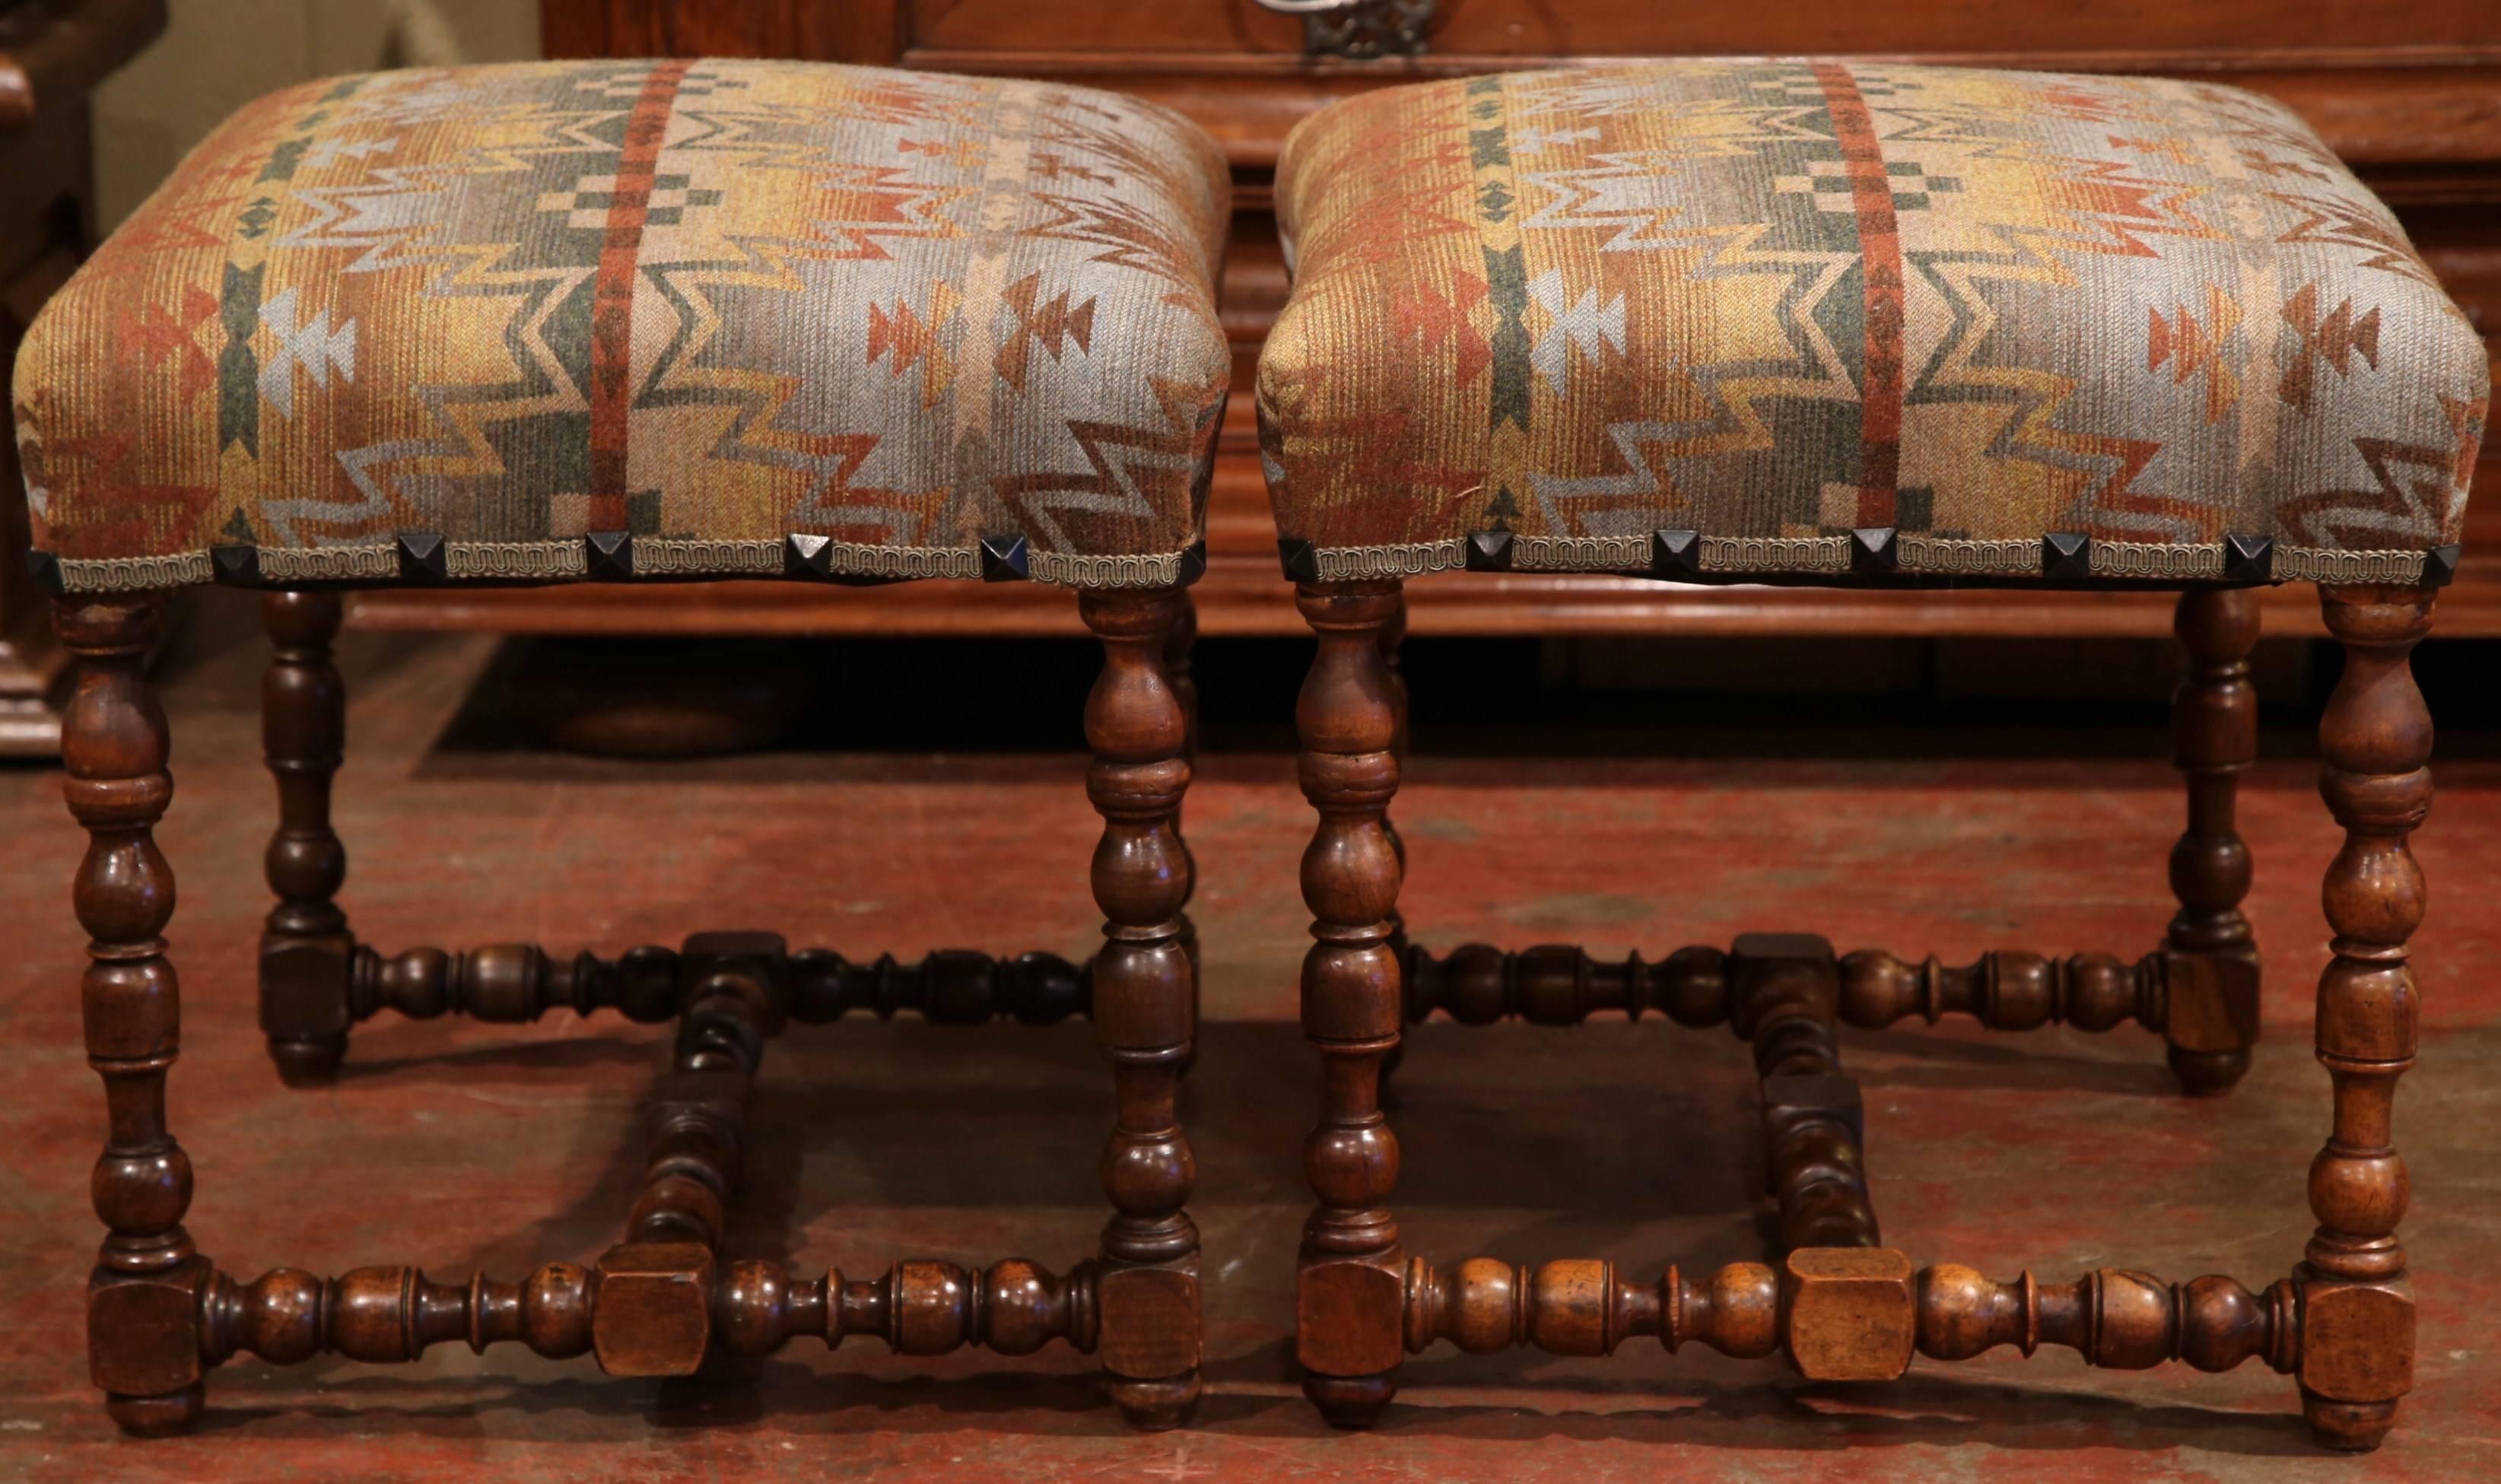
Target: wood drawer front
[2401, 86]
[2410, 93]
[1543, 28]
[2105, 35]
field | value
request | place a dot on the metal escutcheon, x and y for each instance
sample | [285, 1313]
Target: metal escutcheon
[1359, 29]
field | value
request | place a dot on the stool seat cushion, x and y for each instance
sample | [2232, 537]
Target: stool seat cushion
[678, 319]
[1826, 319]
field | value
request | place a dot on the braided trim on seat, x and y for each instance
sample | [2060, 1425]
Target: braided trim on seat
[1069, 568]
[1962, 554]
[1359, 564]
[666, 556]
[2322, 563]
[1776, 553]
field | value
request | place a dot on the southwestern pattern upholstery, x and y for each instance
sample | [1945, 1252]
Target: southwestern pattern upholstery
[649, 318]
[1709, 317]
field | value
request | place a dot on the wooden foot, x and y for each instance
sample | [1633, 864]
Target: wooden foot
[167, 1414]
[1145, 1005]
[1350, 1291]
[144, 1343]
[2348, 1426]
[1350, 1401]
[308, 1063]
[2207, 1073]
[1154, 1407]
[2212, 969]
[307, 956]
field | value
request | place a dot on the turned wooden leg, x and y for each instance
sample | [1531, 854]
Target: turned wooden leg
[2211, 961]
[1181, 647]
[1393, 633]
[2358, 1306]
[307, 957]
[1180, 642]
[1350, 1296]
[142, 1297]
[1144, 997]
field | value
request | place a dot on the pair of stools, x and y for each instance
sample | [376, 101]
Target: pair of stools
[1707, 322]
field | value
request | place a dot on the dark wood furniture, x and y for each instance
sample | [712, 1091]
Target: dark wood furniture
[160, 1313]
[2405, 93]
[1839, 1303]
[52, 52]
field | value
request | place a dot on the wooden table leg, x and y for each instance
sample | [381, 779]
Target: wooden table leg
[1144, 1005]
[2358, 1306]
[1350, 1290]
[2210, 960]
[142, 1297]
[307, 955]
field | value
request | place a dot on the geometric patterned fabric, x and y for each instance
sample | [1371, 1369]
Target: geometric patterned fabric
[1784, 310]
[681, 317]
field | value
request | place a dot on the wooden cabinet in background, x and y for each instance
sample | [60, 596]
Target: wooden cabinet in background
[52, 53]
[2410, 94]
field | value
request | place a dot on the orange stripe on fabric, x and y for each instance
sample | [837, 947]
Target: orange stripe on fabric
[1879, 257]
[612, 305]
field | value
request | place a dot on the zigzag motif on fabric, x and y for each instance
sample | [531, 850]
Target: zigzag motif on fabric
[2353, 224]
[1132, 238]
[1125, 464]
[869, 513]
[871, 206]
[2394, 507]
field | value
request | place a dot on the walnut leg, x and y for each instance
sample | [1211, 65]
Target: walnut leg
[2375, 739]
[143, 1306]
[307, 957]
[1393, 633]
[2211, 961]
[1349, 1294]
[1180, 642]
[1144, 999]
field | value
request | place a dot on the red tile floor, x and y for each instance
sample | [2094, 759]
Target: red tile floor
[456, 1146]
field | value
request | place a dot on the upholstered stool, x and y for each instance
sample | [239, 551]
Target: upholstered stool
[1896, 326]
[635, 322]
